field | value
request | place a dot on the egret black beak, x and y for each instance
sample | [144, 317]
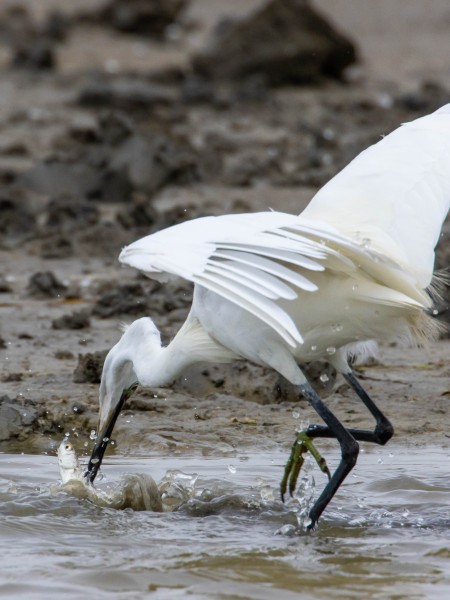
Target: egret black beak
[104, 436]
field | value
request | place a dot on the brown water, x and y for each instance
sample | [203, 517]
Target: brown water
[385, 536]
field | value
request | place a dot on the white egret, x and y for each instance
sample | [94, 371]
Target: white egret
[283, 290]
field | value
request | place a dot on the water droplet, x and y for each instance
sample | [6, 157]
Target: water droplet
[232, 469]
[296, 414]
[324, 378]
[435, 311]
[331, 350]
[267, 493]
[380, 461]
[355, 287]
[337, 327]
[93, 435]
[94, 461]
[313, 347]
[366, 243]
[105, 439]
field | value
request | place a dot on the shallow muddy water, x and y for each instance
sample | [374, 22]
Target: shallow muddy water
[386, 535]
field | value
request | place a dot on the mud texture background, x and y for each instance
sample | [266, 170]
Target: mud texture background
[121, 117]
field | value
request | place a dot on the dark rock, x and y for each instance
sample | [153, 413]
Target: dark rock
[30, 46]
[16, 418]
[89, 367]
[428, 98]
[196, 90]
[45, 285]
[147, 17]
[112, 186]
[137, 214]
[128, 299]
[56, 26]
[65, 214]
[152, 162]
[63, 355]
[56, 246]
[285, 42]
[114, 127]
[5, 288]
[16, 220]
[36, 53]
[76, 320]
[8, 377]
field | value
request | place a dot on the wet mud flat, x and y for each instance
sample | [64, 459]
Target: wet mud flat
[98, 148]
[111, 128]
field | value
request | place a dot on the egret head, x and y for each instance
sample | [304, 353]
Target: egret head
[124, 363]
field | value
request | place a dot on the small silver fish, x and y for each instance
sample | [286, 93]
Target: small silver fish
[69, 466]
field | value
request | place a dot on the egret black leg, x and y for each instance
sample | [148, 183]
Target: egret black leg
[349, 451]
[383, 429]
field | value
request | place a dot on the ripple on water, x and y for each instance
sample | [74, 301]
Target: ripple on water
[385, 534]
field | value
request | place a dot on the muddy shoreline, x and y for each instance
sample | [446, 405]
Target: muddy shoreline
[100, 147]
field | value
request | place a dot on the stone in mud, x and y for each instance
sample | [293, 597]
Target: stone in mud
[128, 299]
[31, 46]
[65, 214]
[35, 54]
[16, 220]
[16, 419]
[56, 246]
[137, 214]
[286, 42]
[5, 288]
[89, 367]
[45, 284]
[146, 17]
[76, 320]
[152, 162]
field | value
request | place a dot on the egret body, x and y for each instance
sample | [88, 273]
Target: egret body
[283, 290]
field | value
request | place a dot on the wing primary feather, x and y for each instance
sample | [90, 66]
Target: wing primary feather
[240, 280]
[292, 255]
[258, 280]
[269, 266]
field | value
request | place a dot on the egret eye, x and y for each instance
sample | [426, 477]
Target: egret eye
[68, 446]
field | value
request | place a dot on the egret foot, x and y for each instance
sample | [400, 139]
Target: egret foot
[302, 444]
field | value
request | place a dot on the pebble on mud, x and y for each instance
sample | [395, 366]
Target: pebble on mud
[129, 299]
[146, 17]
[76, 320]
[45, 284]
[89, 367]
[286, 42]
[5, 288]
[15, 418]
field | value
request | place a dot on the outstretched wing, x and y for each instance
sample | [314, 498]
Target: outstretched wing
[255, 259]
[395, 194]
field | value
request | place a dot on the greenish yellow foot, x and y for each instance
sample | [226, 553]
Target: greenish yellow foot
[302, 444]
